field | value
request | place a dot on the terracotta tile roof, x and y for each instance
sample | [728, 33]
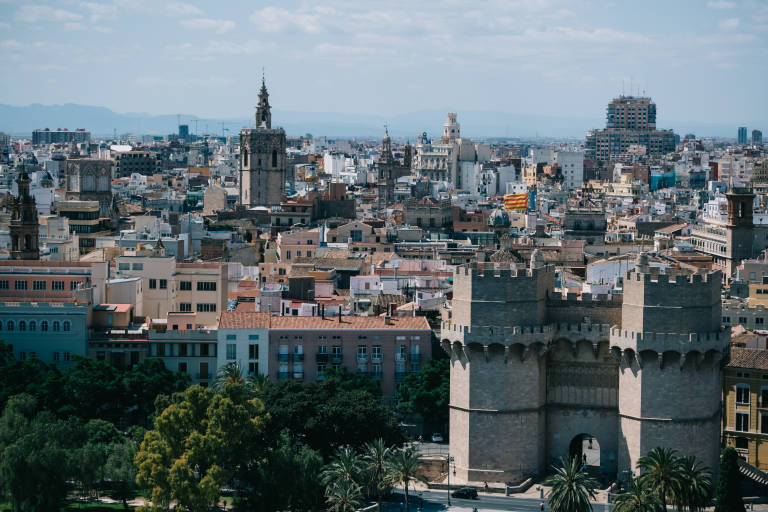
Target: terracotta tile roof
[754, 358]
[349, 322]
[243, 320]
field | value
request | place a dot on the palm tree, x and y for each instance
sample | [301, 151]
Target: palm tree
[345, 466]
[257, 382]
[571, 488]
[695, 486]
[661, 471]
[230, 373]
[640, 498]
[343, 496]
[404, 465]
[375, 458]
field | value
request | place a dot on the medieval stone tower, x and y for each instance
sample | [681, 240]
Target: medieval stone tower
[24, 224]
[534, 374]
[262, 158]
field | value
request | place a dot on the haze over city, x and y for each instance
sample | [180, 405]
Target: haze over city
[697, 59]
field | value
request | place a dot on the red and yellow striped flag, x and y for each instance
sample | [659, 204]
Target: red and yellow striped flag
[516, 201]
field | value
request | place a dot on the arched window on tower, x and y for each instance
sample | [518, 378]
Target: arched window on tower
[274, 158]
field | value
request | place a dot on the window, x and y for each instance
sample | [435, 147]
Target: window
[183, 367]
[253, 336]
[11, 325]
[138, 266]
[56, 356]
[362, 337]
[22, 325]
[726, 319]
[183, 349]
[742, 421]
[400, 338]
[3, 284]
[56, 326]
[66, 356]
[57, 286]
[205, 350]
[185, 307]
[44, 325]
[231, 351]
[152, 284]
[67, 326]
[253, 351]
[362, 353]
[185, 286]
[231, 336]
[32, 325]
[123, 266]
[206, 286]
[206, 307]
[19, 285]
[163, 284]
[742, 394]
[336, 350]
[160, 349]
[742, 443]
[376, 353]
[73, 285]
[38, 285]
[764, 422]
[253, 368]
[742, 320]
[759, 320]
[22, 356]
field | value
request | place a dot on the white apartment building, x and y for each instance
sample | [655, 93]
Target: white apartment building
[572, 165]
[244, 338]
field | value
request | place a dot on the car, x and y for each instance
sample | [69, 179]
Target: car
[437, 437]
[466, 493]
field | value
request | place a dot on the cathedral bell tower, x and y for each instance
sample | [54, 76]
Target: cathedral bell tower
[263, 112]
[24, 225]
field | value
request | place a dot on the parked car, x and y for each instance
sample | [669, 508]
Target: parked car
[466, 493]
[437, 437]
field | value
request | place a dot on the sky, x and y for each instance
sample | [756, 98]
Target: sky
[701, 61]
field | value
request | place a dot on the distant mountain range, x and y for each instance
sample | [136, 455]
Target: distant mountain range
[101, 121]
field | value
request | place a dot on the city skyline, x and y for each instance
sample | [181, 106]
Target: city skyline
[510, 57]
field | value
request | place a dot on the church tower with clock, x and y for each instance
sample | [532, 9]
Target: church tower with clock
[262, 158]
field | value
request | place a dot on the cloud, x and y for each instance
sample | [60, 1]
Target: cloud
[729, 24]
[11, 44]
[720, 4]
[99, 11]
[208, 25]
[38, 13]
[277, 19]
[76, 26]
[181, 9]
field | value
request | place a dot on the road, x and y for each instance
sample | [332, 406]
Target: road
[437, 501]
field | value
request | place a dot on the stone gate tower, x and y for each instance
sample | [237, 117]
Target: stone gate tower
[262, 158]
[533, 371]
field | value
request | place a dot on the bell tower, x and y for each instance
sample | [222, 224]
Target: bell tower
[24, 224]
[263, 112]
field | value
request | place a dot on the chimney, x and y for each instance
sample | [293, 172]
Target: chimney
[339, 313]
[322, 311]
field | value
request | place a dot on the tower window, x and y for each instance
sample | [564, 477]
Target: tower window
[274, 158]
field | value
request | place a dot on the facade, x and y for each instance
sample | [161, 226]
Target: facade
[86, 221]
[534, 375]
[89, 179]
[742, 137]
[262, 159]
[757, 138]
[244, 338]
[138, 162]
[387, 173]
[572, 165]
[745, 423]
[60, 136]
[630, 124]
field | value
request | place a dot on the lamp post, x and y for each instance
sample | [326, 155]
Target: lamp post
[450, 459]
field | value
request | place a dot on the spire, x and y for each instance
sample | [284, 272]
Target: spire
[263, 113]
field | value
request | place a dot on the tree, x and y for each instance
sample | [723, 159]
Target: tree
[93, 389]
[146, 380]
[404, 466]
[728, 497]
[198, 443]
[342, 379]
[346, 465]
[427, 393]
[120, 471]
[35, 455]
[640, 498]
[343, 496]
[695, 485]
[376, 455]
[572, 488]
[230, 373]
[661, 470]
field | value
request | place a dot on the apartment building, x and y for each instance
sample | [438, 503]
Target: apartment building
[298, 243]
[244, 337]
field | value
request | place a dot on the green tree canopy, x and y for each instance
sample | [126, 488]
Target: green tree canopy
[571, 488]
[427, 393]
[728, 497]
[197, 444]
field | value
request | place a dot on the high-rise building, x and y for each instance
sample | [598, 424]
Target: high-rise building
[184, 132]
[262, 158]
[757, 137]
[60, 136]
[742, 139]
[630, 122]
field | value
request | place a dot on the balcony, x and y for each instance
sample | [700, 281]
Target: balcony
[415, 357]
[283, 375]
[400, 376]
[298, 375]
[203, 376]
[321, 357]
[376, 358]
[320, 377]
[337, 358]
[400, 357]
[283, 357]
[362, 358]
[298, 357]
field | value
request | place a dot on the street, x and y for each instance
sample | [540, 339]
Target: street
[437, 500]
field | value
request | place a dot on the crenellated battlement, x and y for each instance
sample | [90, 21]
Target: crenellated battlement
[679, 279]
[480, 271]
[661, 342]
[524, 335]
[585, 299]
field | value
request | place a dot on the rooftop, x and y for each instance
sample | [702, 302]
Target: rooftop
[754, 358]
